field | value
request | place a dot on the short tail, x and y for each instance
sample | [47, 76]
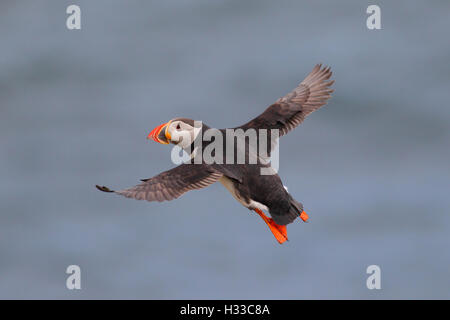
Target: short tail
[297, 207]
[286, 217]
[295, 211]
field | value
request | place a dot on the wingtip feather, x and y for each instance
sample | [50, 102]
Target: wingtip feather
[103, 188]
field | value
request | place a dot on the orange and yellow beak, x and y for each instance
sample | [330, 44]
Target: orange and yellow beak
[160, 134]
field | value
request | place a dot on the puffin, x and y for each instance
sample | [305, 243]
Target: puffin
[257, 191]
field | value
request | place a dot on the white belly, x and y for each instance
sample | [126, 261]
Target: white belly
[230, 187]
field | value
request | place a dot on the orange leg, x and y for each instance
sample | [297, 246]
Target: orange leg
[278, 231]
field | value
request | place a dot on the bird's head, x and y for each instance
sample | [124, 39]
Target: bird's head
[178, 131]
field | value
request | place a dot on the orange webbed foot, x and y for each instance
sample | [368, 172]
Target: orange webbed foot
[304, 216]
[279, 232]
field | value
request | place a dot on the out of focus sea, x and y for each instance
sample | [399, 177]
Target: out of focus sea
[371, 168]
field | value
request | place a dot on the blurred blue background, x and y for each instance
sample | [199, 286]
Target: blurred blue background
[371, 168]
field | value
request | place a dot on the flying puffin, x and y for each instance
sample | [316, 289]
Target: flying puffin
[244, 181]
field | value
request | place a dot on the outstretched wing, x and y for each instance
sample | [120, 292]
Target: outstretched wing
[289, 111]
[171, 184]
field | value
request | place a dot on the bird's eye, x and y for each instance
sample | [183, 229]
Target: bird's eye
[178, 127]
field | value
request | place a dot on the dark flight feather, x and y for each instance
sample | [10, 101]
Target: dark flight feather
[171, 184]
[289, 111]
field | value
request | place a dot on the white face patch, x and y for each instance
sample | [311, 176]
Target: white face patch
[182, 134]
